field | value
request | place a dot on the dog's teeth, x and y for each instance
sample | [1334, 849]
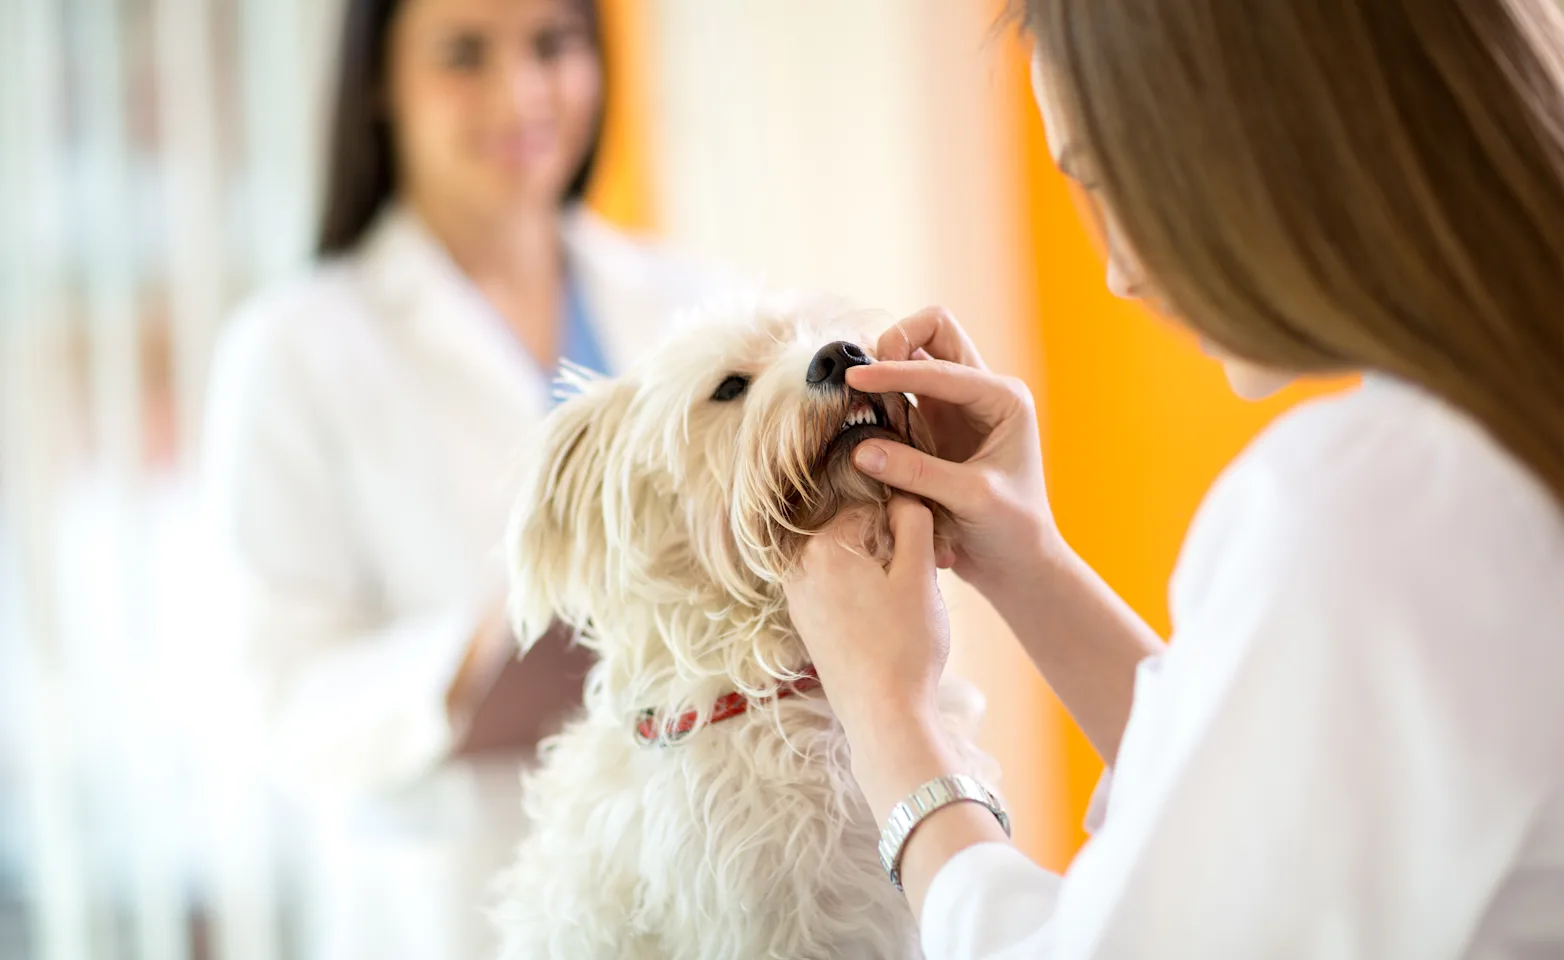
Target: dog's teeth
[859, 415]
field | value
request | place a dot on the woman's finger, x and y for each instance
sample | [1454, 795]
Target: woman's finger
[932, 331]
[987, 398]
[953, 486]
[912, 527]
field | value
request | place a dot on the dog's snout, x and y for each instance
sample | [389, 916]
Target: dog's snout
[832, 360]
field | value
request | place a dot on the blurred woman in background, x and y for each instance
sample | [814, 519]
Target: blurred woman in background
[363, 437]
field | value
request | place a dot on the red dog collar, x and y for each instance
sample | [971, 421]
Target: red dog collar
[648, 729]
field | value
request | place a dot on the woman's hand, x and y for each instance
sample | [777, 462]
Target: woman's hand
[989, 468]
[989, 474]
[877, 632]
[879, 638]
[488, 650]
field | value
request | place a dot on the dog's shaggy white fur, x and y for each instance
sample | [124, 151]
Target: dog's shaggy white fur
[665, 515]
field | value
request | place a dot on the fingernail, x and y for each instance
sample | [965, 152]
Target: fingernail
[869, 458]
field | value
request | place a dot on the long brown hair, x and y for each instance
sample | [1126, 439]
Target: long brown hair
[361, 166]
[1324, 185]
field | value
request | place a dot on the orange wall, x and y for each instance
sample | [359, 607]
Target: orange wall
[622, 183]
[1136, 422]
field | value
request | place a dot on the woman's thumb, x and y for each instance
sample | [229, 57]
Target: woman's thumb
[900, 466]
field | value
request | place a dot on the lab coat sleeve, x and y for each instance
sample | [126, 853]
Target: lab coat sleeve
[1309, 771]
[353, 703]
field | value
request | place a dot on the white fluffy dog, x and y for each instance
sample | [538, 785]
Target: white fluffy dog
[703, 805]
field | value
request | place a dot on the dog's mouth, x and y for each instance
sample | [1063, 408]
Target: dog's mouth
[869, 415]
[810, 482]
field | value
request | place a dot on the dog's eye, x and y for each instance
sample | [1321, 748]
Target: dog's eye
[731, 388]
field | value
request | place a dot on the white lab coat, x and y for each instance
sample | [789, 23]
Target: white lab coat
[368, 428]
[1354, 745]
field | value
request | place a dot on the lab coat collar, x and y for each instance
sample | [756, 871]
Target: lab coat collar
[624, 288]
[416, 285]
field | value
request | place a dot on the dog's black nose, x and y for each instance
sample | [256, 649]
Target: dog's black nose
[832, 360]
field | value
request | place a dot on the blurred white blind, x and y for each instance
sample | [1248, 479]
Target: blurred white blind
[158, 160]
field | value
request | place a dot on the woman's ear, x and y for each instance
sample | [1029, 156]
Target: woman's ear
[557, 542]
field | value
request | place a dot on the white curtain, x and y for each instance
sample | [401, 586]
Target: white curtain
[157, 162]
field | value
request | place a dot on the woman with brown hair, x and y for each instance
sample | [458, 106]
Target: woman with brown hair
[363, 443]
[1354, 744]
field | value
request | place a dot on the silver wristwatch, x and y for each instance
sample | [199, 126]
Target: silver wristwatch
[937, 793]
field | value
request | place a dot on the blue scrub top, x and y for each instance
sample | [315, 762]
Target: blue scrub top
[579, 342]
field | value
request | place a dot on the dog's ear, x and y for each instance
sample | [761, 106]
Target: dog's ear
[558, 535]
